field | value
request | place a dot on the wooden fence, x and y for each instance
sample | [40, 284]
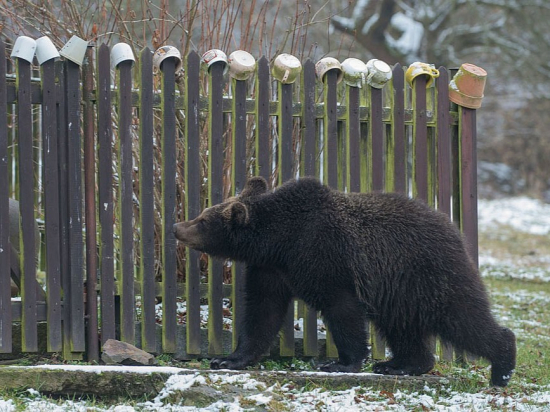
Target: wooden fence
[110, 167]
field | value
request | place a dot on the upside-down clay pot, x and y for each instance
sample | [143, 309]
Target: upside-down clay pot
[467, 86]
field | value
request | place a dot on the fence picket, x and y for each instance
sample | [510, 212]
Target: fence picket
[192, 200]
[75, 277]
[26, 205]
[376, 140]
[468, 182]
[399, 141]
[147, 204]
[238, 179]
[90, 207]
[5, 246]
[443, 143]
[262, 144]
[51, 205]
[310, 168]
[169, 289]
[105, 195]
[286, 172]
[125, 204]
[420, 140]
[330, 158]
[215, 196]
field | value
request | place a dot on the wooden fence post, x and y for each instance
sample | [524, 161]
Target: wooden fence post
[125, 203]
[26, 204]
[92, 349]
[169, 289]
[238, 179]
[310, 168]
[105, 195]
[192, 199]
[51, 206]
[73, 287]
[215, 196]
[285, 172]
[147, 204]
[5, 246]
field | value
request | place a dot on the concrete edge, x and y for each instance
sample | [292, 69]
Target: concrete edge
[136, 382]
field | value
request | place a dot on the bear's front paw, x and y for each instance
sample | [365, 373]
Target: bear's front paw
[339, 367]
[227, 363]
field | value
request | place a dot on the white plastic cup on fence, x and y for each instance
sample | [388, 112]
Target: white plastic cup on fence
[45, 50]
[355, 72]
[241, 65]
[214, 56]
[24, 48]
[167, 52]
[327, 64]
[286, 68]
[121, 52]
[75, 50]
[379, 73]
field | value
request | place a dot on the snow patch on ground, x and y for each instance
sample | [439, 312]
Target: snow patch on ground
[521, 213]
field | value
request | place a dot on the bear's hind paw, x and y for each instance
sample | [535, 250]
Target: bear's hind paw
[339, 367]
[226, 363]
[389, 368]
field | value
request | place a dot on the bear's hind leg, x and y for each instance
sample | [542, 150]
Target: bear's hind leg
[411, 355]
[346, 320]
[266, 304]
[473, 329]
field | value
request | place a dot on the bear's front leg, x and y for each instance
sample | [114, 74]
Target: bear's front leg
[266, 304]
[347, 321]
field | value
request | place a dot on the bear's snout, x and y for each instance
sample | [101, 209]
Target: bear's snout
[175, 228]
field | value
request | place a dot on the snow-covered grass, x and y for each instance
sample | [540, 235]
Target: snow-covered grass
[515, 264]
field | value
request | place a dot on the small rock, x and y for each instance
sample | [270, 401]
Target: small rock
[117, 352]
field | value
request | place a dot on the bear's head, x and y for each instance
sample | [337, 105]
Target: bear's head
[217, 229]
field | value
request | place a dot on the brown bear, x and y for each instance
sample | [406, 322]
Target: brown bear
[354, 257]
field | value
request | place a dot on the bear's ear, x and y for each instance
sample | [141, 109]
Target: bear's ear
[236, 213]
[254, 186]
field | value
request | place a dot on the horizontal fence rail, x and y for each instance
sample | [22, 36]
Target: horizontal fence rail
[140, 148]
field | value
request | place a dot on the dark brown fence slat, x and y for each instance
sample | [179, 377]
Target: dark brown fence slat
[398, 132]
[330, 144]
[125, 204]
[239, 175]
[92, 348]
[63, 155]
[105, 196]
[309, 156]
[285, 165]
[420, 140]
[147, 204]
[215, 196]
[286, 155]
[169, 290]
[192, 200]
[26, 205]
[353, 144]
[263, 164]
[309, 141]
[5, 247]
[377, 139]
[443, 143]
[468, 163]
[74, 180]
[51, 205]
[330, 149]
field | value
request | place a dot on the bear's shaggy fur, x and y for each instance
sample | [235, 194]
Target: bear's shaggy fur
[354, 257]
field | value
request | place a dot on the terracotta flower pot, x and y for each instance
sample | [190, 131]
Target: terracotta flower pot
[467, 86]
